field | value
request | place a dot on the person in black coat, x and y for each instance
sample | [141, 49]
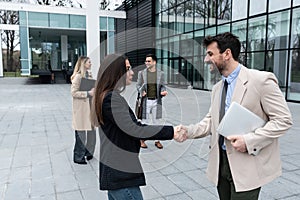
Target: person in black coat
[121, 173]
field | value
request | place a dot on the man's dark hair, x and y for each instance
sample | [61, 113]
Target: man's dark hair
[225, 41]
[152, 56]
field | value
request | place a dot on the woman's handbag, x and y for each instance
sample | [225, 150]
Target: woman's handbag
[139, 106]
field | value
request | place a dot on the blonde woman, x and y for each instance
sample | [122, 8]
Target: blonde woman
[85, 134]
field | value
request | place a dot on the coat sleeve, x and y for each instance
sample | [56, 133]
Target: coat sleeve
[140, 82]
[200, 129]
[277, 111]
[75, 88]
[162, 82]
[117, 111]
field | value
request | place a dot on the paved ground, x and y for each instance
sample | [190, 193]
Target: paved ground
[36, 142]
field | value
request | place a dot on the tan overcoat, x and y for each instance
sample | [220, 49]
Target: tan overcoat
[81, 106]
[258, 92]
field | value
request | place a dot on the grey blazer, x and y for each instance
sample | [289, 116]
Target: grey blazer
[142, 86]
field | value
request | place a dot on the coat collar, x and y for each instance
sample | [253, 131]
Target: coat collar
[240, 87]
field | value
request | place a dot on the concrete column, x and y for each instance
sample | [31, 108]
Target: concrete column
[93, 34]
[64, 48]
[1, 63]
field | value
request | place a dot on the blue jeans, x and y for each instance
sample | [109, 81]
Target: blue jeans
[131, 193]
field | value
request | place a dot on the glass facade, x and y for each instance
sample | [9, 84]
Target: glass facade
[269, 31]
[54, 41]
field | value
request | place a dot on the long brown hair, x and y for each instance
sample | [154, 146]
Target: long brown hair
[111, 77]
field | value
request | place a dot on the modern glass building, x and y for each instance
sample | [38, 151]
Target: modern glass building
[52, 38]
[269, 31]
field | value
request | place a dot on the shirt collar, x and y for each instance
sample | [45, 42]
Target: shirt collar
[233, 75]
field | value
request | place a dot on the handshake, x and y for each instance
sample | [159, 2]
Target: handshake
[180, 133]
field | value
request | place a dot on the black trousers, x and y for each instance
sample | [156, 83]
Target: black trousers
[85, 142]
[226, 188]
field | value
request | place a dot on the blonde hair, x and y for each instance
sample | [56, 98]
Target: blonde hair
[79, 67]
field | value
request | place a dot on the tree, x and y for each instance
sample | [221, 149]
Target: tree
[9, 37]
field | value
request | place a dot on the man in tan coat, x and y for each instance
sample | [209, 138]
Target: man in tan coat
[240, 164]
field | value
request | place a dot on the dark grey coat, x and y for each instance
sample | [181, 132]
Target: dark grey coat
[142, 86]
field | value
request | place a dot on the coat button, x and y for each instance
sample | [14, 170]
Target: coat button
[209, 147]
[254, 149]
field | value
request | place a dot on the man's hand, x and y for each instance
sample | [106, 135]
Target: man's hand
[180, 134]
[238, 142]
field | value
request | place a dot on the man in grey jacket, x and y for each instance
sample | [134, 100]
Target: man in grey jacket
[151, 86]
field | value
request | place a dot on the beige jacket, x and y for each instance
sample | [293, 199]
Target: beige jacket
[258, 92]
[81, 106]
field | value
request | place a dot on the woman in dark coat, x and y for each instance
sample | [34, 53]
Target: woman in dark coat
[121, 173]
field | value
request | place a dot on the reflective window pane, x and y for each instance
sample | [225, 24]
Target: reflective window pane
[278, 30]
[77, 21]
[111, 23]
[296, 2]
[256, 60]
[38, 19]
[59, 20]
[239, 9]
[223, 11]
[274, 62]
[103, 23]
[224, 28]
[257, 7]
[294, 84]
[256, 34]
[211, 13]
[295, 37]
[278, 5]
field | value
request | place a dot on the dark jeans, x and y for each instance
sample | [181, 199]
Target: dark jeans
[131, 193]
[226, 189]
[85, 142]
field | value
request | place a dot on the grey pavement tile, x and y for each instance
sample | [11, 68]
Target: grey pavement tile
[94, 194]
[152, 174]
[9, 141]
[199, 177]
[45, 197]
[148, 167]
[202, 194]
[24, 139]
[5, 162]
[22, 157]
[164, 165]
[17, 190]
[20, 173]
[164, 186]
[280, 188]
[296, 197]
[149, 192]
[60, 164]
[184, 166]
[6, 152]
[77, 168]
[168, 170]
[4, 175]
[293, 176]
[42, 187]
[65, 183]
[184, 182]
[181, 196]
[41, 169]
[71, 195]
[87, 180]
